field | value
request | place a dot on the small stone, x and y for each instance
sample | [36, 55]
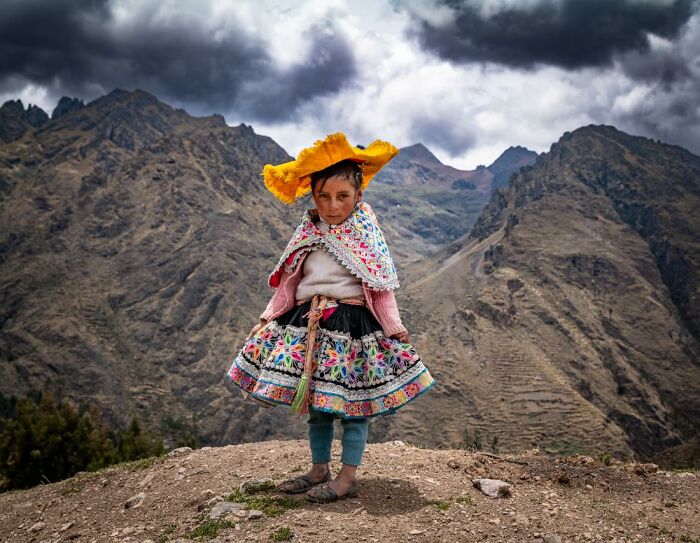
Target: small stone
[255, 514]
[415, 531]
[223, 508]
[495, 488]
[452, 464]
[67, 525]
[208, 493]
[551, 538]
[181, 470]
[522, 519]
[180, 450]
[37, 526]
[148, 479]
[207, 504]
[134, 501]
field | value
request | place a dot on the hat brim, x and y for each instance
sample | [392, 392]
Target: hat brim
[292, 180]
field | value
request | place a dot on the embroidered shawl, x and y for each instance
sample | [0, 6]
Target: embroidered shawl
[357, 243]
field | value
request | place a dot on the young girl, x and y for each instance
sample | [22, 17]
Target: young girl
[331, 343]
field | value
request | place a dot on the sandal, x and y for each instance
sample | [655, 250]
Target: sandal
[326, 494]
[301, 483]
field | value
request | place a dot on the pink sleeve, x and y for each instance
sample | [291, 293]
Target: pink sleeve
[270, 306]
[284, 296]
[384, 302]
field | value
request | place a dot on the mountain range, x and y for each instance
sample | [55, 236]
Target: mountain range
[554, 296]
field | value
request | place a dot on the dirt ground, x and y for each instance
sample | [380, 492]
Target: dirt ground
[406, 493]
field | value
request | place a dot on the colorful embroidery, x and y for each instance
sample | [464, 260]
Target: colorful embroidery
[357, 243]
[399, 353]
[364, 377]
[288, 350]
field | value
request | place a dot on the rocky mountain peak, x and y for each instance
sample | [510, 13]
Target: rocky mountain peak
[66, 105]
[15, 120]
[417, 152]
[510, 161]
[12, 108]
[131, 120]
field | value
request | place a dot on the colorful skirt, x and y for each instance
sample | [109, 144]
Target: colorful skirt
[358, 371]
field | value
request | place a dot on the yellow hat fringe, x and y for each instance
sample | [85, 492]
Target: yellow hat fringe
[291, 180]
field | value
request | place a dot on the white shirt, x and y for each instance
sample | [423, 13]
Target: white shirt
[323, 274]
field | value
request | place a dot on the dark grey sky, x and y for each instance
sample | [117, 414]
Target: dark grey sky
[465, 78]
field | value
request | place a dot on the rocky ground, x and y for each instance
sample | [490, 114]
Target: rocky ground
[406, 493]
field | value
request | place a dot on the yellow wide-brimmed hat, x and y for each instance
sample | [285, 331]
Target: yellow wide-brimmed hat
[292, 180]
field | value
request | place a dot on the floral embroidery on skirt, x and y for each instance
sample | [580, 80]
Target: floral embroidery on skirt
[359, 372]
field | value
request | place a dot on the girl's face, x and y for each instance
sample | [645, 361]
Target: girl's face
[335, 200]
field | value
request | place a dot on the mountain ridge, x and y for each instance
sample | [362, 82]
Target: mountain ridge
[557, 281]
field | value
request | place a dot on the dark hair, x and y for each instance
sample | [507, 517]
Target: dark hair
[349, 169]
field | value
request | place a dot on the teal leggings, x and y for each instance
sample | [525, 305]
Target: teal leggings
[321, 437]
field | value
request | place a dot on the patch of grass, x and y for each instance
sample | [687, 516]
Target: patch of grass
[683, 470]
[466, 500]
[71, 490]
[169, 529]
[295, 469]
[142, 463]
[266, 485]
[605, 458]
[270, 505]
[283, 533]
[440, 504]
[209, 528]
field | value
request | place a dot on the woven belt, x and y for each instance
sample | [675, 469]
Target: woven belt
[302, 394]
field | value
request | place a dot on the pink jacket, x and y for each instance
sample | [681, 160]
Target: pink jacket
[382, 303]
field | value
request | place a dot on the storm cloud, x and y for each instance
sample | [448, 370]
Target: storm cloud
[88, 47]
[566, 33]
[467, 79]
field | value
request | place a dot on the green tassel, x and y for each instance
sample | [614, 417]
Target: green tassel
[300, 395]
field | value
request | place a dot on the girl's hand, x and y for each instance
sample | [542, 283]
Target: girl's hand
[256, 328]
[401, 336]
